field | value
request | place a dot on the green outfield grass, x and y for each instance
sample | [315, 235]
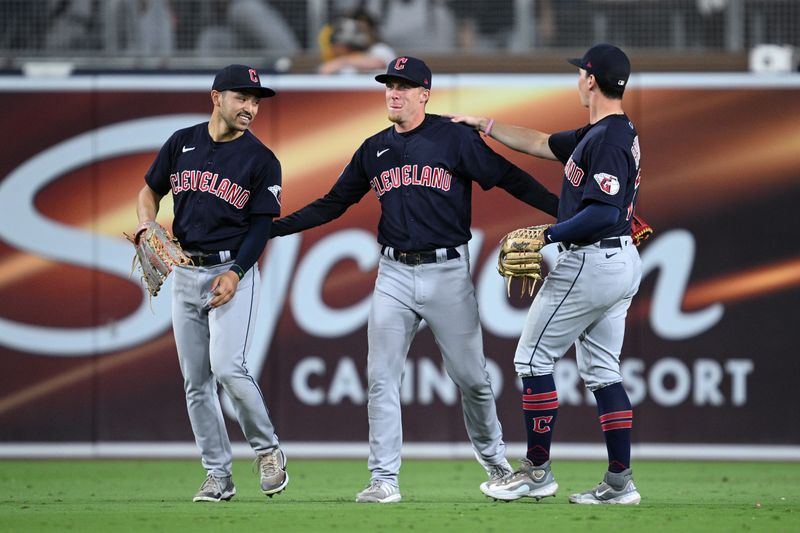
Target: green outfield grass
[155, 495]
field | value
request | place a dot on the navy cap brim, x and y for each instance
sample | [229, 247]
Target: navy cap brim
[261, 92]
[383, 78]
[576, 61]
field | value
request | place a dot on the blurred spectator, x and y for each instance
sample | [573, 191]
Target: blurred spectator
[533, 28]
[708, 7]
[506, 25]
[247, 24]
[483, 25]
[406, 25]
[144, 28]
[428, 25]
[73, 25]
[352, 44]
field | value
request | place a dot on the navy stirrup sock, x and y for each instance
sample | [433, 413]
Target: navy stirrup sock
[540, 409]
[616, 419]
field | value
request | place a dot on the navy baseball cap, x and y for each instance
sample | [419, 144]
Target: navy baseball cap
[408, 68]
[608, 63]
[240, 78]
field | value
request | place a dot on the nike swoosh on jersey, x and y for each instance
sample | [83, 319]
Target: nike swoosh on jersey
[184, 149]
[381, 152]
[609, 256]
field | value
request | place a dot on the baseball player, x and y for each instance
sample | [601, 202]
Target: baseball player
[421, 169]
[226, 189]
[585, 298]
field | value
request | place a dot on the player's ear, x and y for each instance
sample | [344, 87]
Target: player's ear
[216, 97]
[424, 95]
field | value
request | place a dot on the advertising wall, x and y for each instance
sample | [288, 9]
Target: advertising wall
[710, 355]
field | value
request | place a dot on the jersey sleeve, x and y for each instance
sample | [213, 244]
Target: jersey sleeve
[607, 174]
[479, 162]
[267, 193]
[349, 188]
[524, 187]
[158, 175]
[563, 143]
[353, 182]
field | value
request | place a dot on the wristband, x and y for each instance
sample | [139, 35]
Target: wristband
[236, 269]
[488, 130]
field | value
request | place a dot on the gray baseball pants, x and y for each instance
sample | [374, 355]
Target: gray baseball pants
[584, 300]
[212, 349]
[442, 294]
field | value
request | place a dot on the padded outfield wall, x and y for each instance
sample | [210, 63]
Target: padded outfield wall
[88, 365]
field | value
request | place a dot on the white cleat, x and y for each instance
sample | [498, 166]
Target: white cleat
[606, 492]
[379, 491]
[496, 473]
[529, 482]
[215, 489]
[272, 468]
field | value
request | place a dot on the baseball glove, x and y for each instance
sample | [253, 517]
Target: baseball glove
[157, 252]
[520, 257]
[640, 230]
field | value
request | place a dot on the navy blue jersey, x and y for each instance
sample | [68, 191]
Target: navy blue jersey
[423, 179]
[216, 187]
[601, 164]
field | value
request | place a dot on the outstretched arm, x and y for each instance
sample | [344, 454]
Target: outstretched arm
[524, 187]
[525, 140]
[490, 169]
[351, 186]
[349, 189]
[317, 213]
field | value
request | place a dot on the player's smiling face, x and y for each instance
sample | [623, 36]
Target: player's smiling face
[238, 109]
[405, 103]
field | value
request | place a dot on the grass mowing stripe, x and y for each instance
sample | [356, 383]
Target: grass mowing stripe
[154, 495]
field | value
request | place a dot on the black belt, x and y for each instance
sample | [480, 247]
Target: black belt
[203, 259]
[610, 242]
[419, 258]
